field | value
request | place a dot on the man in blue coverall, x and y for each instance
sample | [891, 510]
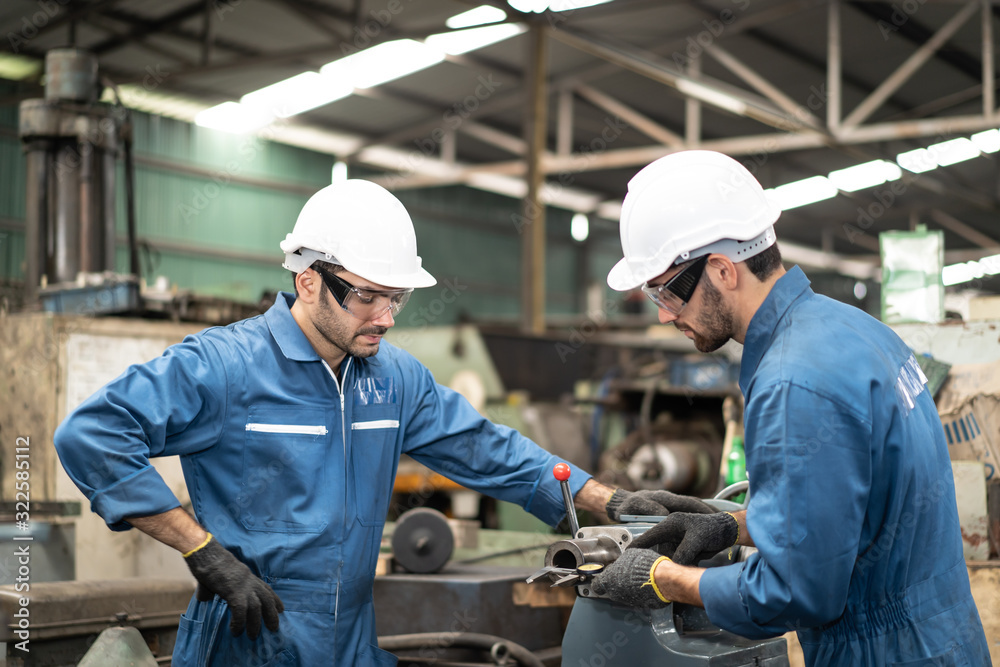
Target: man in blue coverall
[289, 427]
[852, 506]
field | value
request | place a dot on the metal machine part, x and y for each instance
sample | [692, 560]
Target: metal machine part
[422, 541]
[678, 635]
[66, 617]
[72, 142]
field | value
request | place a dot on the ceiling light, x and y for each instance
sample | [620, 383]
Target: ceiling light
[806, 191]
[866, 175]
[529, 6]
[463, 41]
[711, 96]
[918, 161]
[579, 227]
[300, 93]
[478, 16]
[16, 67]
[961, 273]
[953, 151]
[988, 141]
[233, 117]
[570, 5]
[991, 264]
[382, 63]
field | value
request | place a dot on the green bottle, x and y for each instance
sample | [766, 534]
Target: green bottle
[736, 466]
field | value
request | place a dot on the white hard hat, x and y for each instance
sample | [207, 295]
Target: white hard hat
[362, 227]
[686, 205]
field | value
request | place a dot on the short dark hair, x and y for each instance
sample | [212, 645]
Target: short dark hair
[326, 266]
[763, 264]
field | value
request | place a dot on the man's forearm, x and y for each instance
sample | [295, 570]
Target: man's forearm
[593, 497]
[679, 583]
[175, 528]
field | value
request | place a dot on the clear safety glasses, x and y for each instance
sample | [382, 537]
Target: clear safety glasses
[365, 304]
[674, 294]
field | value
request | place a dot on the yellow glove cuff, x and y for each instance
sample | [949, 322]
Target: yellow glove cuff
[737, 529]
[652, 579]
[200, 546]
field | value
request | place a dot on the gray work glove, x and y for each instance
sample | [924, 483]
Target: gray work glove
[220, 573]
[629, 580]
[689, 538]
[652, 503]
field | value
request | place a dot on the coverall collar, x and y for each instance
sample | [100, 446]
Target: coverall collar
[288, 335]
[786, 290]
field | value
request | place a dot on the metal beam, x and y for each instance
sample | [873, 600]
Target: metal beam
[101, 22]
[692, 109]
[709, 91]
[533, 219]
[68, 15]
[895, 80]
[587, 73]
[564, 123]
[763, 86]
[964, 230]
[207, 33]
[834, 78]
[744, 145]
[636, 119]
[495, 137]
[144, 28]
[913, 31]
[989, 74]
[314, 17]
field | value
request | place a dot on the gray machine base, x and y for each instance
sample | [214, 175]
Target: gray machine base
[602, 635]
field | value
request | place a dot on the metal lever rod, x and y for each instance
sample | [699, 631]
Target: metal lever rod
[561, 471]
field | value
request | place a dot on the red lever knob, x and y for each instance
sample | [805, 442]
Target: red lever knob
[561, 471]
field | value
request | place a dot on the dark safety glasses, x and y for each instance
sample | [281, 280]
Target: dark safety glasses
[674, 294]
[365, 304]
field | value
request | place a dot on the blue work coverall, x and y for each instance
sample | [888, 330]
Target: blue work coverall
[852, 504]
[292, 471]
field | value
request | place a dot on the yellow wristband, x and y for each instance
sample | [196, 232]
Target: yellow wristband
[652, 579]
[207, 540]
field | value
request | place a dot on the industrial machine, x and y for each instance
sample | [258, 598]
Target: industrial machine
[603, 633]
[72, 142]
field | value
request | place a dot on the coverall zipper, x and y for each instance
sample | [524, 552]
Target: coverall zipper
[343, 439]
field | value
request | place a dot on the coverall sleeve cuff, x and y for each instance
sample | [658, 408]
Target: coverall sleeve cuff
[724, 604]
[143, 493]
[547, 502]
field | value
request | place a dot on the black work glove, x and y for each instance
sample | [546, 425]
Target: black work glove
[629, 580]
[220, 573]
[652, 503]
[690, 538]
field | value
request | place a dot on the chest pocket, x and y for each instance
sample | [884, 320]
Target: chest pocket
[374, 430]
[285, 464]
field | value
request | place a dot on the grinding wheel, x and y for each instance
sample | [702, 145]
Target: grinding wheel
[422, 542]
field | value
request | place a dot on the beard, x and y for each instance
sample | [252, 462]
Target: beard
[714, 321]
[340, 329]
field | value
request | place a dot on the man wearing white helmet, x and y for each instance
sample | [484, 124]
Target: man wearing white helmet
[289, 427]
[852, 505]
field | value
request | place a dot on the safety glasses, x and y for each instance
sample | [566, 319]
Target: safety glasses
[674, 294]
[365, 304]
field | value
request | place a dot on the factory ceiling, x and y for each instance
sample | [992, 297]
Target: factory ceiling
[794, 89]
